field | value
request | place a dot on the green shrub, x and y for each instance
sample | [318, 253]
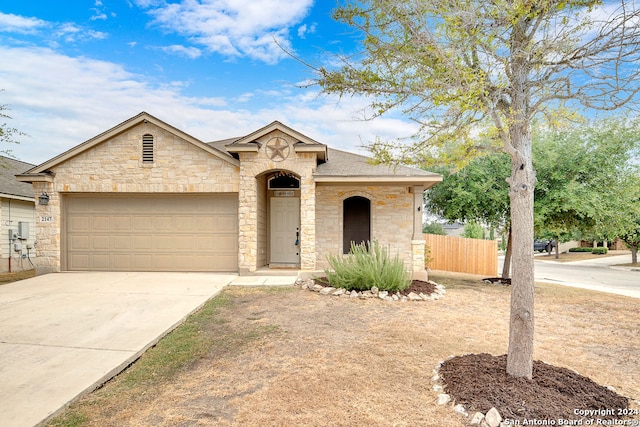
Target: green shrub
[367, 265]
[434, 228]
[473, 230]
[599, 251]
[581, 250]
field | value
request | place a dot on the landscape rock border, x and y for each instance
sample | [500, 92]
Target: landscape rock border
[374, 292]
[491, 419]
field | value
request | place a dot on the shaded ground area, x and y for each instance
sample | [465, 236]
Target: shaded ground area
[480, 382]
[285, 356]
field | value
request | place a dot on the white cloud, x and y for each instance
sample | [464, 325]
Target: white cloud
[79, 98]
[305, 29]
[99, 16]
[19, 24]
[233, 28]
[190, 52]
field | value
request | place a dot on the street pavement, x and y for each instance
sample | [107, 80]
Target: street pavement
[599, 274]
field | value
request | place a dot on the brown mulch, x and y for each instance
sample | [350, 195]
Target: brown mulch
[480, 382]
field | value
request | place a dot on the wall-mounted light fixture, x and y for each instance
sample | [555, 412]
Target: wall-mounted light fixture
[43, 199]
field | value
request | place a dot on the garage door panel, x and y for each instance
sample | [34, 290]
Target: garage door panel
[186, 223]
[100, 243]
[101, 261]
[226, 222]
[79, 223]
[80, 242]
[163, 233]
[142, 242]
[100, 223]
[121, 262]
[162, 223]
[142, 223]
[121, 242]
[121, 223]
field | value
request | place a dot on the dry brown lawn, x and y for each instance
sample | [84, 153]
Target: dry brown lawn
[314, 360]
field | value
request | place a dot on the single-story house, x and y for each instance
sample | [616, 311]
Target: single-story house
[17, 216]
[146, 196]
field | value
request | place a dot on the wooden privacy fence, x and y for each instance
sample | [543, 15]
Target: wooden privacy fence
[463, 255]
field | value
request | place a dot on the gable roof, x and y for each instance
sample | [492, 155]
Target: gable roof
[303, 144]
[143, 117]
[9, 186]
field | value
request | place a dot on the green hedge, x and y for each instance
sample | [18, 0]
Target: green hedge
[599, 251]
[581, 250]
[365, 266]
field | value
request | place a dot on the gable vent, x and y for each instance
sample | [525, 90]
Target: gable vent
[147, 148]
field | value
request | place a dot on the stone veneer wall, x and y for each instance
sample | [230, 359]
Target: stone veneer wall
[391, 219]
[263, 221]
[115, 166]
[254, 165]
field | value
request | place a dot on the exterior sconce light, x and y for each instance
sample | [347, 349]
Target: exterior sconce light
[43, 199]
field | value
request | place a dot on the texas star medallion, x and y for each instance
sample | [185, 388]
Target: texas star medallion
[277, 149]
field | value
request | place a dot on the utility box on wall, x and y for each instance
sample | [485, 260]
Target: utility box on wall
[23, 230]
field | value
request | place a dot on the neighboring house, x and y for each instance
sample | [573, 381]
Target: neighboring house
[17, 213]
[145, 196]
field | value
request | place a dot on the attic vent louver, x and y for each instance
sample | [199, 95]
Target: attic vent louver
[147, 148]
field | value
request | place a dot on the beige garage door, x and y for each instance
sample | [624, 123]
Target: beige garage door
[151, 233]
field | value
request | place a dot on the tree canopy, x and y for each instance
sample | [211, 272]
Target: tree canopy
[476, 73]
[587, 179]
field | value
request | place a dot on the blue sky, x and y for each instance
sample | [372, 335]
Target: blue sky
[209, 67]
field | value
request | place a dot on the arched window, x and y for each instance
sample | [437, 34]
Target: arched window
[282, 180]
[356, 225]
[147, 148]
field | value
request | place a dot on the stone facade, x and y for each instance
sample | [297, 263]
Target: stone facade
[115, 166]
[392, 219]
[113, 163]
[254, 166]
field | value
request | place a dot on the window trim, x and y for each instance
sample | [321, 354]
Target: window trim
[361, 199]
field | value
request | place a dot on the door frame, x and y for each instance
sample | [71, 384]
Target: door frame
[293, 263]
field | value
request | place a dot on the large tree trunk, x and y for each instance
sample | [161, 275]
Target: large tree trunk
[634, 254]
[506, 268]
[522, 182]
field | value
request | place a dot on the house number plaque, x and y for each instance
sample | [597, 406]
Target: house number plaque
[284, 193]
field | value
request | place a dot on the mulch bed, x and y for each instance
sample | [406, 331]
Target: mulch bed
[480, 382]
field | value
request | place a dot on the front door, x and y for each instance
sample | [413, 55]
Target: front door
[285, 230]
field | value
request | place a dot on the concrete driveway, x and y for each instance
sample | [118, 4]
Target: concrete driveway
[63, 334]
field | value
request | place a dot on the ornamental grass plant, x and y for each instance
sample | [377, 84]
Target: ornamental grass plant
[367, 265]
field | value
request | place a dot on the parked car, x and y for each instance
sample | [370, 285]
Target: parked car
[543, 245]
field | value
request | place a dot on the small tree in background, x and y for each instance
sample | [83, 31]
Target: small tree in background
[7, 134]
[434, 228]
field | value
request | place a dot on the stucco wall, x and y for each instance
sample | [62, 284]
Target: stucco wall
[391, 219]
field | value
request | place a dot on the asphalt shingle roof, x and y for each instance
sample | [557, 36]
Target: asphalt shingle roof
[9, 168]
[343, 163]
